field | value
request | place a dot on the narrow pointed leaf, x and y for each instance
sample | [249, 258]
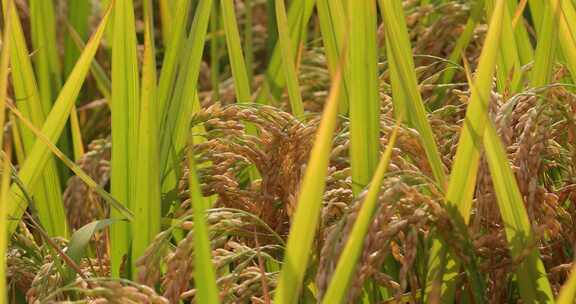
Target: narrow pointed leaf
[288, 60]
[405, 92]
[204, 274]
[307, 213]
[364, 102]
[235, 54]
[147, 210]
[48, 195]
[465, 166]
[349, 257]
[334, 27]
[30, 169]
[531, 274]
[125, 107]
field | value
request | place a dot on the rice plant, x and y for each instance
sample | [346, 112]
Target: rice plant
[288, 151]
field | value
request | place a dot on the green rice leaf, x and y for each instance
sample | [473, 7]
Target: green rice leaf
[45, 57]
[288, 60]
[4, 190]
[30, 169]
[567, 35]
[465, 166]
[334, 27]
[166, 7]
[307, 212]
[546, 50]
[6, 165]
[80, 239]
[17, 194]
[530, 273]
[352, 250]
[184, 100]
[78, 15]
[172, 54]
[364, 99]
[237, 62]
[508, 72]
[48, 195]
[299, 14]
[102, 80]
[125, 108]
[204, 274]
[147, 210]
[405, 91]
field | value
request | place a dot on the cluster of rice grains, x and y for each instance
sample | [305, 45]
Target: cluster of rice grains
[252, 158]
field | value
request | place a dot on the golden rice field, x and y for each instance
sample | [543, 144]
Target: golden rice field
[288, 151]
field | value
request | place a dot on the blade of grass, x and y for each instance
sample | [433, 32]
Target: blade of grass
[405, 91]
[46, 54]
[166, 7]
[530, 273]
[30, 169]
[6, 170]
[4, 72]
[249, 40]
[109, 36]
[288, 60]
[299, 14]
[48, 70]
[204, 274]
[17, 192]
[536, 12]
[125, 109]
[333, 26]
[102, 80]
[78, 15]
[147, 211]
[351, 252]
[567, 35]
[464, 39]
[172, 55]
[237, 62]
[215, 51]
[307, 212]
[462, 183]
[4, 190]
[546, 50]
[364, 103]
[48, 195]
[524, 46]
[508, 72]
[184, 100]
